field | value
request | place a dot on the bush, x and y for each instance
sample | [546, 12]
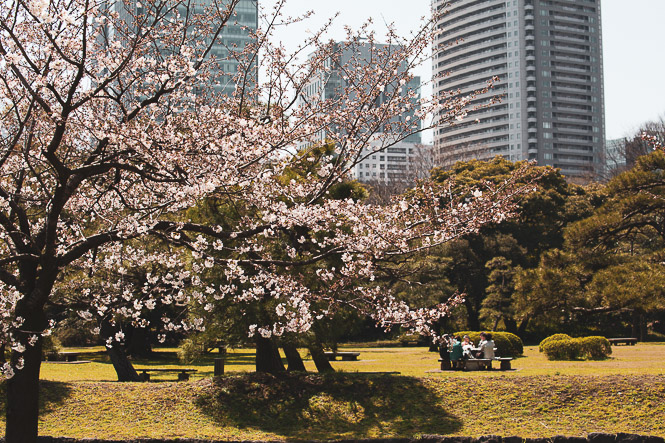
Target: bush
[551, 338]
[563, 347]
[414, 339]
[515, 342]
[507, 344]
[595, 348]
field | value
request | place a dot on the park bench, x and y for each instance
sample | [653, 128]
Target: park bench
[62, 356]
[346, 356]
[183, 374]
[625, 340]
[504, 363]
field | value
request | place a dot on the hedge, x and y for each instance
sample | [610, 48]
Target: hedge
[507, 344]
[564, 347]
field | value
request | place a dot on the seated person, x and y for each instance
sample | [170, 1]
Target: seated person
[456, 353]
[467, 345]
[444, 350]
[487, 346]
[483, 339]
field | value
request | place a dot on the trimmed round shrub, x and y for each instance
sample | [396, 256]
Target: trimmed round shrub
[551, 338]
[515, 342]
[507, 344]
[595, 347]
[562, 349]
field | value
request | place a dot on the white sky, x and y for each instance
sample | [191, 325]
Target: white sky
[633, 37]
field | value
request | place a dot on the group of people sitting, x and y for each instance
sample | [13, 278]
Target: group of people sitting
[457, 349]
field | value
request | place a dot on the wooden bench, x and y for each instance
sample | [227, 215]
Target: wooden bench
[62, 356]
[625, 340]
[183, 374]
[346, 356]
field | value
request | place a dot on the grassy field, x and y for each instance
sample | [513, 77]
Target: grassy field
[538, 398]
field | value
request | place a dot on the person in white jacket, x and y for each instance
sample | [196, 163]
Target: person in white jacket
[486, 345]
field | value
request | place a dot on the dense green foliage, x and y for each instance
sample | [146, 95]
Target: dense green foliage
[484, 266]
[584, 260]
[607, 277]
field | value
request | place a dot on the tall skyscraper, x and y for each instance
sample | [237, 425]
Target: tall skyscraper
[547, 55]
[232, 40]
[226, 48]
[394, 163]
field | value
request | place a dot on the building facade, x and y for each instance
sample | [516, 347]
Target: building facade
[227, 47]
[547, 102]
[394, 163]
[402, 162]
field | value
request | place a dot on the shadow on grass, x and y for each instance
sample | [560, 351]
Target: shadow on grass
[315, 406]
[52, 395]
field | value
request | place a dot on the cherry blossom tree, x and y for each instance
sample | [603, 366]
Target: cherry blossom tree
[111, 127]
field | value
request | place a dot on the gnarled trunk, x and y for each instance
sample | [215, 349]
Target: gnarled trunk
[122, 365]
[320, 360]
[293, 358]
[267, 357]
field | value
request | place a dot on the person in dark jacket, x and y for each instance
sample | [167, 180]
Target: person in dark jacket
[456, 353]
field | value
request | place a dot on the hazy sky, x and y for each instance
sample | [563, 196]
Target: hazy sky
[633, 38]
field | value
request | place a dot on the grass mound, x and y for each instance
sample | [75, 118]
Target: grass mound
[325, 406]
[355, 406]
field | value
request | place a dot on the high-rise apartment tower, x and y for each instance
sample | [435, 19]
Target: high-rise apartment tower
[547, 55]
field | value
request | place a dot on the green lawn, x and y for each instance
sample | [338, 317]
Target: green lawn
[538, 398]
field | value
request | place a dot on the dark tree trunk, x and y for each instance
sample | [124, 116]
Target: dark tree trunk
[473, 320]
[122, 365]
[521, 329]
[22, 419]
[293, 358]
[639, 325]
[320, 360]
[267, 357]
[138, 343]
[511, 325]
[23, 397]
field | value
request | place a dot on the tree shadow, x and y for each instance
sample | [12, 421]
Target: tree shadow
[52, 395]
[316, 406]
